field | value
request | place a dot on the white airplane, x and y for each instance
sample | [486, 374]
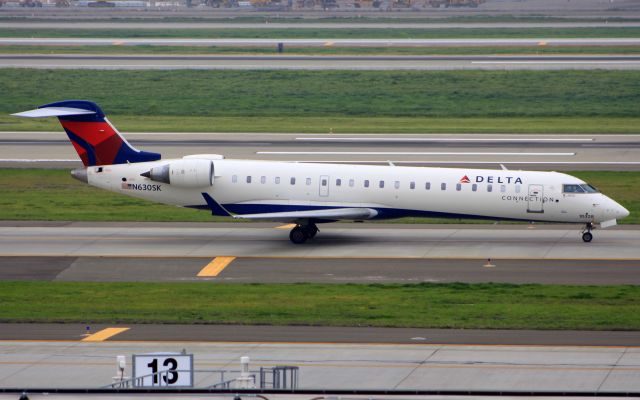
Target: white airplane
[308, 193]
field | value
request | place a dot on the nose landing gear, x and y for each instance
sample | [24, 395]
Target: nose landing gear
[586, 232]
[301, 233]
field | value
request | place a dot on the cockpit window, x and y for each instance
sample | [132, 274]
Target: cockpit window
[588, 188]
[580, 188]
[572, 189]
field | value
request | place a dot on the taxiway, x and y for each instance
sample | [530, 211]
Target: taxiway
[64, 364]
[523, 151]
[106, 62]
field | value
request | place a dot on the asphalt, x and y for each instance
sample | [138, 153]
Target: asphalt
[315, 24]
[553, 152]
[340, 241]
[321, 270]
[101, 62]
[319, 334]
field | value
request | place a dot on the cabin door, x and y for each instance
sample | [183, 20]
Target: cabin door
[535, 204]
[324, 186]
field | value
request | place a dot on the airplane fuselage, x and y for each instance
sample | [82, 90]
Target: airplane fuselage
[252, 187]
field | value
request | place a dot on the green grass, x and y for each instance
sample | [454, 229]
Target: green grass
[390, 125]
[329, 50]
[333, 33]
[338, 101]
[52, 195]
[283, 94]
[456, 305]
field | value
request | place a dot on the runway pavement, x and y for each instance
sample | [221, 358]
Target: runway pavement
[102, 62]
[340, 241]
[319, 334]
[418, 366]
[315, 24]
[321, 270]
[320, 42]
[532, 152]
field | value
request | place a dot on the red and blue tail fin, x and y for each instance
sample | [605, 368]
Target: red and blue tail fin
[96, 141]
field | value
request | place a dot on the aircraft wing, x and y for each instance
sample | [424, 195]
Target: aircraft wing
[329, 213]
[347, 213]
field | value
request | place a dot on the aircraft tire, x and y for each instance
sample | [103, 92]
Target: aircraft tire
[587, 237]
[311, 231]
[298, 235]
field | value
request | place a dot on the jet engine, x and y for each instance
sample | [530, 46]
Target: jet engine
[189, 173]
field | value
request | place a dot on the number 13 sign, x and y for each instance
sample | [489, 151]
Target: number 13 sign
[163, 370]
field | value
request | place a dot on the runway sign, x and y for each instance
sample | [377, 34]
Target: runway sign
[163, 370]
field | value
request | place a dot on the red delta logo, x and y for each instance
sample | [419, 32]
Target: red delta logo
[465, 179]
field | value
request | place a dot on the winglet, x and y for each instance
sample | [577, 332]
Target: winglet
[216, 209]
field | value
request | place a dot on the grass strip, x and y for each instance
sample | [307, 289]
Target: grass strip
[328, 50]
[355, 125]
[330, 33]
[425, 305]
[52, 195]
[320, 94]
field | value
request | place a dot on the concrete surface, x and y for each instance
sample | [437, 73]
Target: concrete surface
[339, 241]
[315, 24]
[342, 366]
[322, 270]
[100, 62]
[590, 152]
[321, 334]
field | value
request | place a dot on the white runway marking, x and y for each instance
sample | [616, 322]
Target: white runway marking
[387, 139]
[410, 153]
[29, 160]
[475, 162]
[556, 62]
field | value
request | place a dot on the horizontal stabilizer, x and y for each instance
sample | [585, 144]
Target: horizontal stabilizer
[52, 112]
[329, 213]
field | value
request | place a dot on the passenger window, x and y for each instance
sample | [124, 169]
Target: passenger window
[234, 178]
[351, 182]
[338, 182]
[443, 186]
[308, 181]
[489, 188]
[503, 188]
[396, 184]
[293, 181]
[366, 183]
[263, 179]
[517, 188]
[427, 185]
[458, 187]
[474, 187]
[381, 184]
[324, 182]
[277, 180]
[248, 179]
[412, 185]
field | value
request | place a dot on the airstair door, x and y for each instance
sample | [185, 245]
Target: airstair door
[535, 203]
[324, 186]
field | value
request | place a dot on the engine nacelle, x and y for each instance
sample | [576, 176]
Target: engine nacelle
[187, 173]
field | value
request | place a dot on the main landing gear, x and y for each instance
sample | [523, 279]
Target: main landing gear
[301, 233]
[586, 232]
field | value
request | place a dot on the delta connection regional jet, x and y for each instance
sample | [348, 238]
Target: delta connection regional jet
[307, 194]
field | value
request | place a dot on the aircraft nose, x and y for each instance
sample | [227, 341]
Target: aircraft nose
[622, 212]
[616, 210]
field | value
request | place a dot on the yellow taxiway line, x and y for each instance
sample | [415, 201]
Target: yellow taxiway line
[104, 334]
[216, 266]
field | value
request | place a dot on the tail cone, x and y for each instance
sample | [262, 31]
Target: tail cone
[80, 174]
